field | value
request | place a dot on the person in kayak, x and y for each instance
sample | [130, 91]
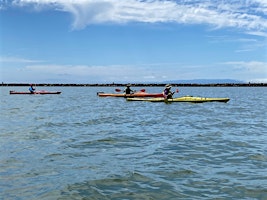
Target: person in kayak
[128, 89]
[31, 89]
[167, 94]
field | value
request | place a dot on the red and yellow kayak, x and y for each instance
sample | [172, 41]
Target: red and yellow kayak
[136, 94]
[36, 92]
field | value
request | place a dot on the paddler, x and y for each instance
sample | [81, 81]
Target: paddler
[31, 89]
[128, 89]
[167, 92]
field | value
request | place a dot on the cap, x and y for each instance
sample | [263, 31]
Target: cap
[168, 86]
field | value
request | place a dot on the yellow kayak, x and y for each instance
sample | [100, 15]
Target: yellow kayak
[189, 99]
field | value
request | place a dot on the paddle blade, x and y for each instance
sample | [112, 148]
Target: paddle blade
[142, 90]
[118, 90]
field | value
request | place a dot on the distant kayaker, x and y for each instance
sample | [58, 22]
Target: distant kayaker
[31, 88]
[167, 92]
[128, 89]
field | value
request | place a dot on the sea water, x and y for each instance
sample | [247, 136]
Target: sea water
[77, 145]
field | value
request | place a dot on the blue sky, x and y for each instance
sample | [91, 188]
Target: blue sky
[103, 41]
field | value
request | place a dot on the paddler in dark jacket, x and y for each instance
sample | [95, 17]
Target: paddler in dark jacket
[167, 94]
[31, 89]
[128, 90]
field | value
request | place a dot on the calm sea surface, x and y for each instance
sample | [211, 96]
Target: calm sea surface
[79, 146]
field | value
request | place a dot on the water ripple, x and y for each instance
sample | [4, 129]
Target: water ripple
[79, 146]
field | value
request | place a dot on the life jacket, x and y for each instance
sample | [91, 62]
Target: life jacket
[127, 91]
[31, 89]
[167, 91]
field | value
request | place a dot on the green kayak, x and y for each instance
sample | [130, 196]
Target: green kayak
[189, 99]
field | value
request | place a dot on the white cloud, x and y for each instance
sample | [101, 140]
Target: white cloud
[257, 33]
[251, 67]
[239, 70]
[8, 59]
[252, 71]
[249, 15]
[99, 73]
[110, 73]
[257, 80]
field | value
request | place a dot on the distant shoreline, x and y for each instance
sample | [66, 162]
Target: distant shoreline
[140, 85]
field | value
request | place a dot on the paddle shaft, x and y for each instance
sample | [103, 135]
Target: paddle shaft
[119, 90]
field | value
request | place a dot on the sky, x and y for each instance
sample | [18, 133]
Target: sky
[132, 41]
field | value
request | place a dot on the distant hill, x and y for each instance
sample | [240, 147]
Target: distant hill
[205, 81]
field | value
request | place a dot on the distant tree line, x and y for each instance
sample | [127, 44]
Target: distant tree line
[140, 85]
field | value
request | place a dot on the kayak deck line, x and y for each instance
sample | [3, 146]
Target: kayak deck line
[189, 99]
[36, 92]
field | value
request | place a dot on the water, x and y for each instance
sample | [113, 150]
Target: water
[78, 146]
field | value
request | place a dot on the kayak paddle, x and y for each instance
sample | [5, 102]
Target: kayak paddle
[119, 90]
